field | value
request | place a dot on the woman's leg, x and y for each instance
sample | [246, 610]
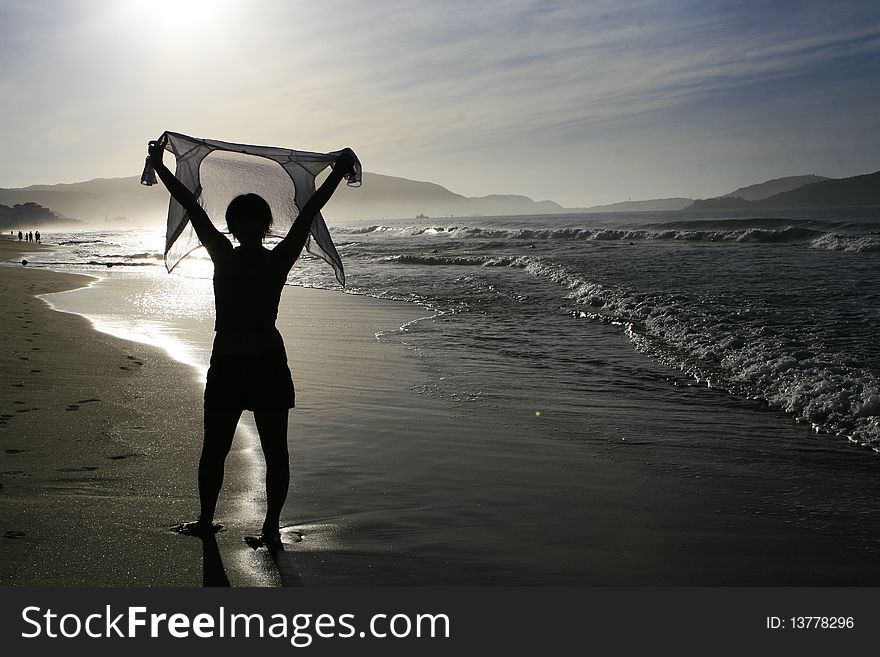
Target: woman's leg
[220, 424]
[272, 427]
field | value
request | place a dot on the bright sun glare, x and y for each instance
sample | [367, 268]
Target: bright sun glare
[178, 14]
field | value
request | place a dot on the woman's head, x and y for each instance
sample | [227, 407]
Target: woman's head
[249, 218]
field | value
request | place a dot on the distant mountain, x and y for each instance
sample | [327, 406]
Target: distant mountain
[651, 205]
[126, 201]
[101, 200]
[857, 190]
[775, 186]
[28, 216]
[393, 197]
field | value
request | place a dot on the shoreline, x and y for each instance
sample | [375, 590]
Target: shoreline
[91, 483]
[125, 472]
[395, 485]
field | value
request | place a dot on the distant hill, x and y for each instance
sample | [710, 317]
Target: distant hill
[722, 203]
[650, 205]
[96, 201]
[775, 186]
[28, 216]
[126, 201]
[393, 197]
[856, 190]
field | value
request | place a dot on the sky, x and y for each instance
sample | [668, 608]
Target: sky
[579, 102]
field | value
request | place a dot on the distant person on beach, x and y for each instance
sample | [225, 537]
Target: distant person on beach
[248, 368]
[20, 236]
[37, 237]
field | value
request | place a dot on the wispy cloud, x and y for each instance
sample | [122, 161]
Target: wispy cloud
[454, 90]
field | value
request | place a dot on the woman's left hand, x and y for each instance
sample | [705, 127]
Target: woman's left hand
[344, 164]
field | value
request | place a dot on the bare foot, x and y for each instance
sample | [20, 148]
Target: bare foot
[270, 540]
[198, 528]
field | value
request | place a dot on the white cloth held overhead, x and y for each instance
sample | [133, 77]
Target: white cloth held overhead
[217, 171]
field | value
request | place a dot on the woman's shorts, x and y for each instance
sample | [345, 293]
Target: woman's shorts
[252, 382]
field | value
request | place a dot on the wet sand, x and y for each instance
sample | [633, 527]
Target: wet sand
[100, 436]
[91, 482]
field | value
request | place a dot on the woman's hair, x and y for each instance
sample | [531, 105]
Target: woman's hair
[251, 208]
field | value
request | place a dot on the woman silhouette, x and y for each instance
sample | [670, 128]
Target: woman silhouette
[248, 368]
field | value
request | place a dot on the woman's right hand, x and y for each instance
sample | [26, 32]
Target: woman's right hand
[156, 149]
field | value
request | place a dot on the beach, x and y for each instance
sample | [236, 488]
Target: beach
[91, 483]
[426, 448]
[101, 439]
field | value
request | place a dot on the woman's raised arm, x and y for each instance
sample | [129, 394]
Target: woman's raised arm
[205, 229]
[291, 246]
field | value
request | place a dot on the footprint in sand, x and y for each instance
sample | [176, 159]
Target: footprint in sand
[14, 534]
[16, 451]
[72, 407]
[119, 457]
[35, 371]
[84, 468]
[23, 358]
[18, 385]
[87, 401]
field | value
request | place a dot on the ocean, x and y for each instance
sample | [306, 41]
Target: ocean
[725, 346]
[780, 309]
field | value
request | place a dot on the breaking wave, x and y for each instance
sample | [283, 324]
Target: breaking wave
[719, 346]
[769, 231]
